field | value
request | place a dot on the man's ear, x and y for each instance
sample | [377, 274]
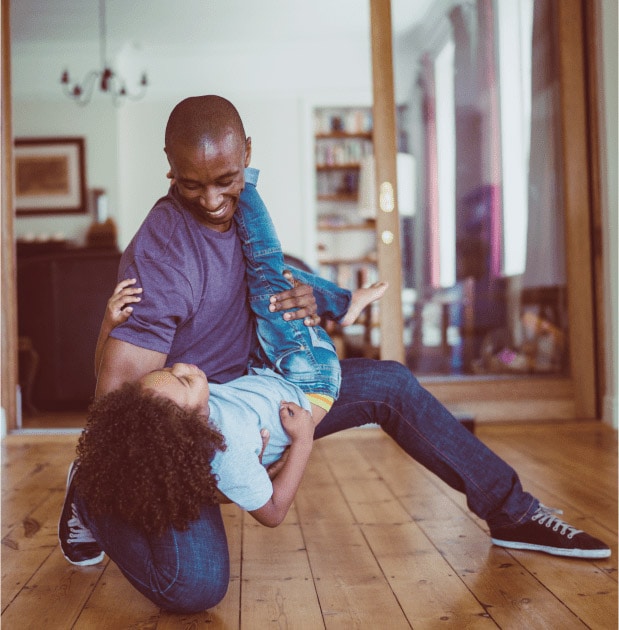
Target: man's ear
[169, 174]
[247, 151]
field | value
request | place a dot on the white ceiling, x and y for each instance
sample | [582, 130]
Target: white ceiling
[146, 23]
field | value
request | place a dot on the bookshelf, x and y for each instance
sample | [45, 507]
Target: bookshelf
[346, 237]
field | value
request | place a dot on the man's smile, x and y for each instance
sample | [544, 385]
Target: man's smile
[217, 213]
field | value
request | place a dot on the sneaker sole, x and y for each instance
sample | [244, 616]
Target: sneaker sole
[86, 563]
[555, 551]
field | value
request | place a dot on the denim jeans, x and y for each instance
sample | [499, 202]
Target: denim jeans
[182, 572]
[332, 301]
[188, 571]
[303, 355]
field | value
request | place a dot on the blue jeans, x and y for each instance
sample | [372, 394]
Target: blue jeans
[182, 572]
[188, 571]
[303, 355]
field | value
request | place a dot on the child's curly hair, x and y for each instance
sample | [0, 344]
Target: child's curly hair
[147, 460]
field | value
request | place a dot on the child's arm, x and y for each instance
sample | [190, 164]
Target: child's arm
[116, 313]
[299, 425]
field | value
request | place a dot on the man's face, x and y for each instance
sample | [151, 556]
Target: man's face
[210, 178]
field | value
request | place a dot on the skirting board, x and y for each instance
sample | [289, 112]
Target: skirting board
[610, 411]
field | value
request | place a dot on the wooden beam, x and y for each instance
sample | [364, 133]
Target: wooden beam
[8, 279]
[576, 190]
[592, 50]
[385, 150]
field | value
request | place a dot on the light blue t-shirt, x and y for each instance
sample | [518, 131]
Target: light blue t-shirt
[240, 409]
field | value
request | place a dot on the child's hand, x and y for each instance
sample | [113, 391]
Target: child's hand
[297, 422]
[117, 310]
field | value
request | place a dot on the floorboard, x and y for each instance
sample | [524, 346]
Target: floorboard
[373, 540]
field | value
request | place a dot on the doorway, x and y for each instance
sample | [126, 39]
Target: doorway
[496, 324]
[558, 395]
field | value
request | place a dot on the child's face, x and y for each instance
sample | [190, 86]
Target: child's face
[182, 383]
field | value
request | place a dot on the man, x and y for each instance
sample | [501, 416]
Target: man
[187, 258]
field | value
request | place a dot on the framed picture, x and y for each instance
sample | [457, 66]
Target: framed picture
[49, 176]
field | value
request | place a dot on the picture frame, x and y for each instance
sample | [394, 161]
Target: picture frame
[50, 176]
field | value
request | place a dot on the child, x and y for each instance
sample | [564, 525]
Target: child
[154, 452]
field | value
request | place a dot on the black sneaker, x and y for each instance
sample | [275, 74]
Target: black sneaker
[76, 541]
[545, 532]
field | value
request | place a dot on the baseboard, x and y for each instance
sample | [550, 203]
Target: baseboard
[467, 420]
[610, 411]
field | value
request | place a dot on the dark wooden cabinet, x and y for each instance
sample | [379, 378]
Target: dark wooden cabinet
[61, 300]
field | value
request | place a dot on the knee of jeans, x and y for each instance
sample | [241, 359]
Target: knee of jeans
[194, 593]
[296, 364]
[320, 339]
[305, 366]
[398, 380]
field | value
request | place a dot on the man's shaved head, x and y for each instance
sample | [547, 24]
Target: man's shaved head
[202, 119]
[208, 153]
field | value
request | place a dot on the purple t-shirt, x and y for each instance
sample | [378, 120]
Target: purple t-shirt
[194, 306]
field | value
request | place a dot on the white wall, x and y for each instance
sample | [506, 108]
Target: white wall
[272, 89]
[97, 124]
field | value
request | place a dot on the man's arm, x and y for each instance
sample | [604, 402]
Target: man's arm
[123, 362]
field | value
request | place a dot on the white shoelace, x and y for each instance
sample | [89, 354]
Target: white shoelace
[546, 516]
[78, 533]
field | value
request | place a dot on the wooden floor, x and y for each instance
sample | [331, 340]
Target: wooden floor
[373, 541]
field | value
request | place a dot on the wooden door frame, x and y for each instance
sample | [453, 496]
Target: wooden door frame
[577, 183]
[8, 274]
[385, 151]
[508, 398]
[592, 17]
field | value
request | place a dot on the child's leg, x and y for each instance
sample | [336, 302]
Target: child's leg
[333, 302]
[336, 303]
[303, 355]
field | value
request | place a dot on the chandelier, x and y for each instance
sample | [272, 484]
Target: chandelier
[107, 78]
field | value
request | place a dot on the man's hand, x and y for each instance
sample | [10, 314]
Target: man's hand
[274, 469]
[264, 436]
[298, 302]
